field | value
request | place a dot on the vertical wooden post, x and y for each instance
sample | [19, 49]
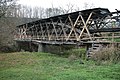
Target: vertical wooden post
[113, 25]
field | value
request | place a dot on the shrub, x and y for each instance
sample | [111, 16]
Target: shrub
[110, 54]
[8, 49]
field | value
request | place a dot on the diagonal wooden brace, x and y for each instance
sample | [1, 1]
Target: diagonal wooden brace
[41, 30]
[55, 29]
[65, 35]
[48, 33]
[23, 32]
[73, 27]
[85, 27]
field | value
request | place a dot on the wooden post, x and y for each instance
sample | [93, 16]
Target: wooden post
[113, 25]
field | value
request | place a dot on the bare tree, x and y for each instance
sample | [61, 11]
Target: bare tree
[4, 5]
[88, 6]
[29, 9]
[69, 8]
[35, 12]
[41, 12]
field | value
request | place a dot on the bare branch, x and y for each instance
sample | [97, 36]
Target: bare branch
[4, 5]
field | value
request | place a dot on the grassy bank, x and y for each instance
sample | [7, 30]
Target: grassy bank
[45, 66]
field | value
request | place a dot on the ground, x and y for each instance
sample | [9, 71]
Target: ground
[46, 66]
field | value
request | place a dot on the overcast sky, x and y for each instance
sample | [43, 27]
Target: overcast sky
[110, 4]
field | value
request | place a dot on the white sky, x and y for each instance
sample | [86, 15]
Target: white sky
[110, 4]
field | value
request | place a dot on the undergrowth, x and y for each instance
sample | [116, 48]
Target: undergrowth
[107, 55]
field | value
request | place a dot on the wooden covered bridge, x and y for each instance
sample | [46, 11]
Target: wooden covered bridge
[97, 25]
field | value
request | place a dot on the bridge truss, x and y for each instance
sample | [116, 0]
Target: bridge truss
[85, 25]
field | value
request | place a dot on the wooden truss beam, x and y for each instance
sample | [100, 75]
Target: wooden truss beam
[85, 26]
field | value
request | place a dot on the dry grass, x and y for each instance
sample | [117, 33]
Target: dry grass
[110, 54]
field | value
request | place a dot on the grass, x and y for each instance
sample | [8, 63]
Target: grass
[46, 66]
